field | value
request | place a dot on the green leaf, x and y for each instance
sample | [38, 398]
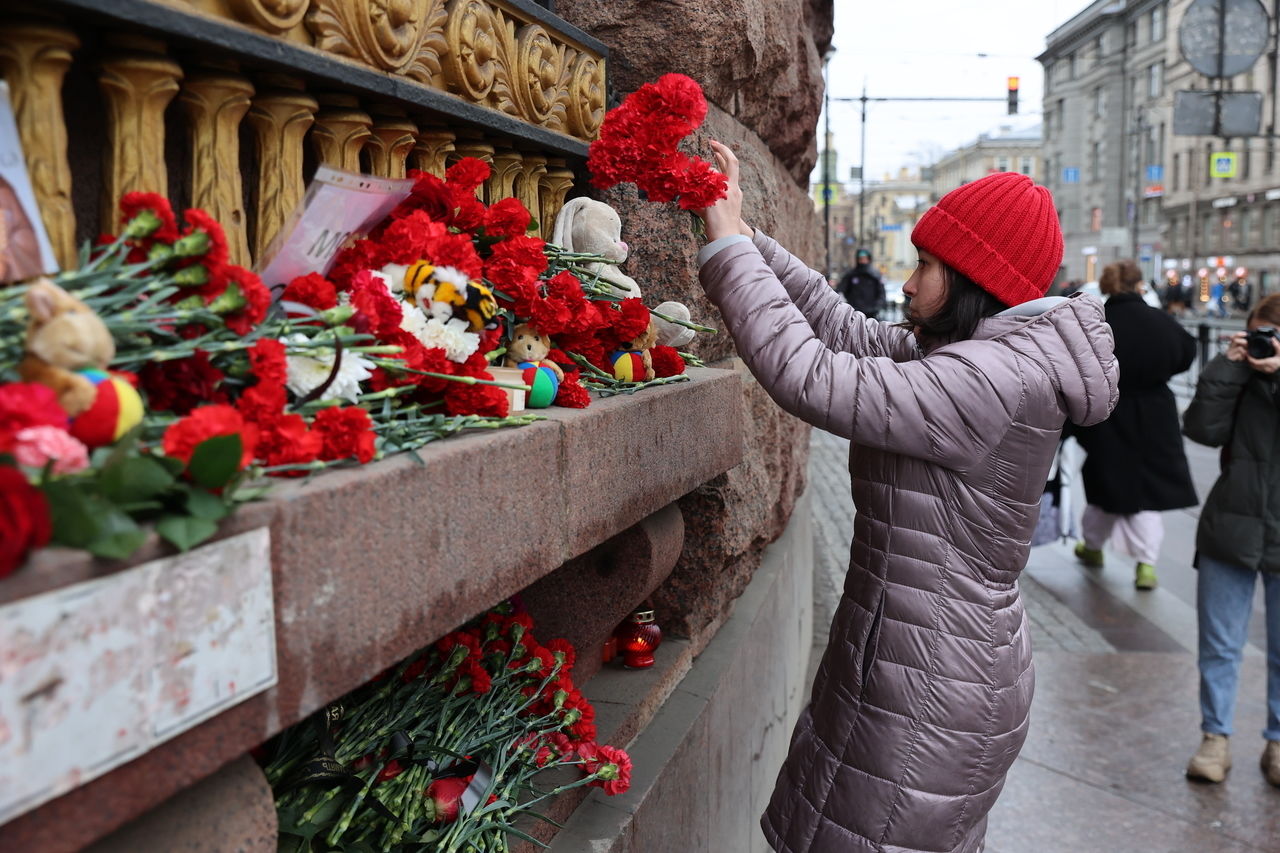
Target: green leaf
[216, 460]
[76, 521]
[202, 504]
[253, 494]
[120, 535]
[133, 479]
[184, 531]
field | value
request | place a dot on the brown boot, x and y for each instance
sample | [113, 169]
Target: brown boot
[1271, 762]
[1212, 760]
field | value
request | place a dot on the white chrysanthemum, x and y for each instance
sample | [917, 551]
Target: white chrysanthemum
[452, 337]
[392, 276]
[308, 372]
[453, 275]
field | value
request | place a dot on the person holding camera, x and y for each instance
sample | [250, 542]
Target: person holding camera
[1237, 407]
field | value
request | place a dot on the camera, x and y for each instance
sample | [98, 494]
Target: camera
[1259, 342]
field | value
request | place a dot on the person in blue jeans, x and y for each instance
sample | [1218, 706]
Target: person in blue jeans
[1237, 407]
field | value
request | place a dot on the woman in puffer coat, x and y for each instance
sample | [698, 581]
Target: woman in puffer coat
[921, 702]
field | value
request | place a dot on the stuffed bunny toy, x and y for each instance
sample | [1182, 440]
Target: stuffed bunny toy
[587, 225]
[64, 336]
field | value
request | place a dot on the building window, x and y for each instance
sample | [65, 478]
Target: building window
[1157, 24]
[1208, 240]
[1134, 83]
[1155, 79]
[1247, 220]
[1246, 160]
[1098, 50]
[1095, 161]
[1002, 164]
[1025, 166]
[1176, 176]
[1228, 231]
[1071, 66]
[1131, 34]
[1099, 102]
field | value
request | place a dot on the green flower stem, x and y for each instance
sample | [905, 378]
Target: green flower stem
[691, 359]
[685, 323]
[465, 380]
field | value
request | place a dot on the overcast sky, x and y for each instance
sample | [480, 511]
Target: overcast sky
[930, 48]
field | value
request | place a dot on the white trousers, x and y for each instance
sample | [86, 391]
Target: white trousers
[1138, 535]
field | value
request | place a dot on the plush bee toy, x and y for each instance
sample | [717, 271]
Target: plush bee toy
[446, 293]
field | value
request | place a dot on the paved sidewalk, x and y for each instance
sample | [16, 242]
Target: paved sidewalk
[1115, 715]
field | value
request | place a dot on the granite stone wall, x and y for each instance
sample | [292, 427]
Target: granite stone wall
[759, 62]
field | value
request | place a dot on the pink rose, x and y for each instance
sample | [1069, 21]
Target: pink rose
[36, 446]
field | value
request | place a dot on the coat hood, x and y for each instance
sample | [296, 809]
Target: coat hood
[1070, 339]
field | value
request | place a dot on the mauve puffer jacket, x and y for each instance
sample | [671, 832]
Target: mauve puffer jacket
[921, 701]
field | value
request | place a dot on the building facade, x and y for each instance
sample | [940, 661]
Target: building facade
[1008, 150]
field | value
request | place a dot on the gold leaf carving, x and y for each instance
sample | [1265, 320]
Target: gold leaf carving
[274, 16]
[390, 144]
[137, 87]
[506, 166]
[552, 189]
[280, 121]
[401, 36]
[585, 97]
[482, 45]
[528, 183]
[542, 78]
[340, 134]
[34, 59]
[215, 105]
[432, 151]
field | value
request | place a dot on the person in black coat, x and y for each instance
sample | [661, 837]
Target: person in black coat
[861, 286]
[1136, 467]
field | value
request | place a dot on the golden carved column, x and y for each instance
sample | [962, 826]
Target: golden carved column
[394, 136]
[529, 182]
[33, 59]
[506, 167]
[280, 119]
[215, 103]
[138, 82]
[469, 145]
[432, 151]
[552, 189]
[341, 131]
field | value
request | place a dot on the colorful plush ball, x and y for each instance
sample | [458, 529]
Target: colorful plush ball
[116, 409]
[543, 382]
[627, 366]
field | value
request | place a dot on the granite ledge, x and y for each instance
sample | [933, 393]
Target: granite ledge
[371, 563]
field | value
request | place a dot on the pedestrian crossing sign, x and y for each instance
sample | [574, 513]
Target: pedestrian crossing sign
[1223, 164]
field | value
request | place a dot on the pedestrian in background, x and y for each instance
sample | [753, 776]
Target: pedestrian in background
[862, 287]
[921, 702]
[1136, 467]
[1237, 407]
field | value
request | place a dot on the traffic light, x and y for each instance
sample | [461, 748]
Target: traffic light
[1013, 96]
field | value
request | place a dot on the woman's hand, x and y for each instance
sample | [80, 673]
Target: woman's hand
[1236, 350]
[1266, 365]
[725, 216]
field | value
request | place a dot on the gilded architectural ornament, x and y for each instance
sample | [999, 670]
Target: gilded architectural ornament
[586, 97]
[341, 131]
[280, 120]
[215, 104]
[400, 36]
[432, 151]
[274, 16]
[528, 184]
[542, 75]
[553, 186]
[138, 87]
[506, 166]
[33, 60]
[389, 146]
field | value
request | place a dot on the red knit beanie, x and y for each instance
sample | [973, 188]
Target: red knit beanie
[1001, 232]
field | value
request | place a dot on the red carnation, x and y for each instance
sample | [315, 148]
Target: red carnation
[24, 519]
[444, 798]
[312, 290]
[666, 361]
[611, 767]
[257, 299]
[27, 404]
[287, 441]
[360, 256]
[142, 204]
[183, 436]
[201, 223]
[467, 174]
[507, 218]
[453, 250]
[377, 311]
[526, 251]
[391, 770]
[571, 394]
[267, 361]
[262, 403]
[628, 318]
[484, 400]
[429, 194]
[564, 648]
[345, 433]
[180, 385]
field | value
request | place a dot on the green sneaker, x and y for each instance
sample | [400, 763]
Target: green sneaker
[1091, 557]
[1144, 576]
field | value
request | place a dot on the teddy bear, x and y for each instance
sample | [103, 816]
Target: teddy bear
[65, 339]
[528, 352]
[634, 362]
[587, 225]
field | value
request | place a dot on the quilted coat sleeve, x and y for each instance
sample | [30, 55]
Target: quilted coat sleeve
[1209, 416]
[835, 322]
[945, 408]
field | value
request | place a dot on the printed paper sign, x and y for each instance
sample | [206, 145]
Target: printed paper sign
[337, 206]
[96, 674]
[24, 246]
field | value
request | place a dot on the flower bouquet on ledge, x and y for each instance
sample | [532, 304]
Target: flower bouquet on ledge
[446, 751]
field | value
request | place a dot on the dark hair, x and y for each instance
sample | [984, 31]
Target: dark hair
[966, 304]
[1267, 310]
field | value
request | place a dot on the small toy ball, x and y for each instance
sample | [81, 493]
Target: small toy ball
[543, 382]
[627, 366]
[116, 409]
